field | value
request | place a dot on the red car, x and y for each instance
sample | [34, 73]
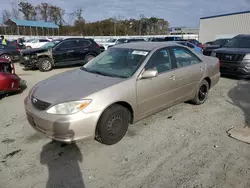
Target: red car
[9, 81]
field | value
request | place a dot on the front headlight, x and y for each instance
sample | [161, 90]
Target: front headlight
[69, 107]
[213, 54]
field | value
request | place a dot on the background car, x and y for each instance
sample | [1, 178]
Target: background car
[196, 42]
[235, 57]
[9, 81]
[208, 48]
[66, 52]
[190, 45]
[36, 43]
[119, 87]
[124, 40]
[10, 52]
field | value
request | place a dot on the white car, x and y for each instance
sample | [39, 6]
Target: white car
[108, 43]
[36, 43]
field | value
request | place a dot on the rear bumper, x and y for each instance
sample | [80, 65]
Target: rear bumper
[215, 79]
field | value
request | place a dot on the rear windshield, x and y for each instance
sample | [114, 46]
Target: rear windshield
[238, 42]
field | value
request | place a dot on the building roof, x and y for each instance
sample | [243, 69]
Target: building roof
[29, 23]
[230, 14]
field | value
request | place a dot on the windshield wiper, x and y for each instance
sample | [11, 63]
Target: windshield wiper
[101, 73]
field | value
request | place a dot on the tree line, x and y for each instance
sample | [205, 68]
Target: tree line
[73, 23]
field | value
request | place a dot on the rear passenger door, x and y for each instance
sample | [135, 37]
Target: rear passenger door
[82, 49]
[190, 70]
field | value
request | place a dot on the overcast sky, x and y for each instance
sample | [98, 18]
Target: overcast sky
[177, 12]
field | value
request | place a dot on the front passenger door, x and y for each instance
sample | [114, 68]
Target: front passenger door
[64, 53]
[154, 94]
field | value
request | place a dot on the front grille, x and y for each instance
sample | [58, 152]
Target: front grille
[229, 57]
[40, 105]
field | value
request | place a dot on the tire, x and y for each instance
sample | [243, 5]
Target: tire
[112, 125]
[201, 93]
[88, 57]
[45, 64]
[6, 56]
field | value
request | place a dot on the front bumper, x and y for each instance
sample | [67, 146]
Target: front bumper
[63, 128]
[234, 69]
[29, 63]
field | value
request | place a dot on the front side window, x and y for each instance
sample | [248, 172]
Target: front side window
[161, 61]
[185, 57]
[117, 62]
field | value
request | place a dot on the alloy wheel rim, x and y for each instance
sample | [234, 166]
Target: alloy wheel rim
[46, 65]
[203, 92]
[89, 58]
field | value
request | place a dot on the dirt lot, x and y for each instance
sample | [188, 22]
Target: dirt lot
[185, 146]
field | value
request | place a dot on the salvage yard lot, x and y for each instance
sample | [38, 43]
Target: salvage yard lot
[184, 146]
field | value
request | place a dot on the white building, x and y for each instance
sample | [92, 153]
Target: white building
[224, 26]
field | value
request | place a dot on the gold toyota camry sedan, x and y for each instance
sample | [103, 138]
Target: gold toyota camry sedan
[119, 87]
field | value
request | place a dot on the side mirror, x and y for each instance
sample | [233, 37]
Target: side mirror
[149, 73]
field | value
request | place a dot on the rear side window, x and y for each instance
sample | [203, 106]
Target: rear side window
[43, 40]
[185, 57]
[68, 44]
[83, 43]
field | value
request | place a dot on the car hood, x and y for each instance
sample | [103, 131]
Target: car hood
[72, 85]
[211, 47]
[33, 51]
[233, 50]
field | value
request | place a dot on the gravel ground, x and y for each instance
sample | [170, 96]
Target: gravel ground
[185, 146]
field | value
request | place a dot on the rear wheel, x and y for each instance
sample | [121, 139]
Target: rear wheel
[45, 64]
[201, 93]
[6, 56]
[112, 125]
[88, 58]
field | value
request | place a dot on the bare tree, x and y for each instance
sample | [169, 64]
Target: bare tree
[6, 15]
[43, 10]
[15, 13]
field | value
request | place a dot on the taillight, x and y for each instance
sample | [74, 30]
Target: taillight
[97, 45]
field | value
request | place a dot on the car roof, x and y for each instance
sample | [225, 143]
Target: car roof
[145, 45]
[243, 35]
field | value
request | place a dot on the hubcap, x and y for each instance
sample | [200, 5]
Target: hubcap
[46, 65]
[203, 93]
[115, 126]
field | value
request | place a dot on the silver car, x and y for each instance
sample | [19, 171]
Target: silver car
[119, 87]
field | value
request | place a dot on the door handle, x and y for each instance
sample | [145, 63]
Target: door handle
[70, 51]
[172, 77]
[201, 68]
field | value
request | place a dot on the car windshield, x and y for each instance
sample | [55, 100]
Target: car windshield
[50, 44]
[238, 42]
[111, 40]
[117, 62]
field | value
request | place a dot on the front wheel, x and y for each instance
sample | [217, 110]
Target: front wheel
[45, 64]
[201, 93]
[112, 125]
